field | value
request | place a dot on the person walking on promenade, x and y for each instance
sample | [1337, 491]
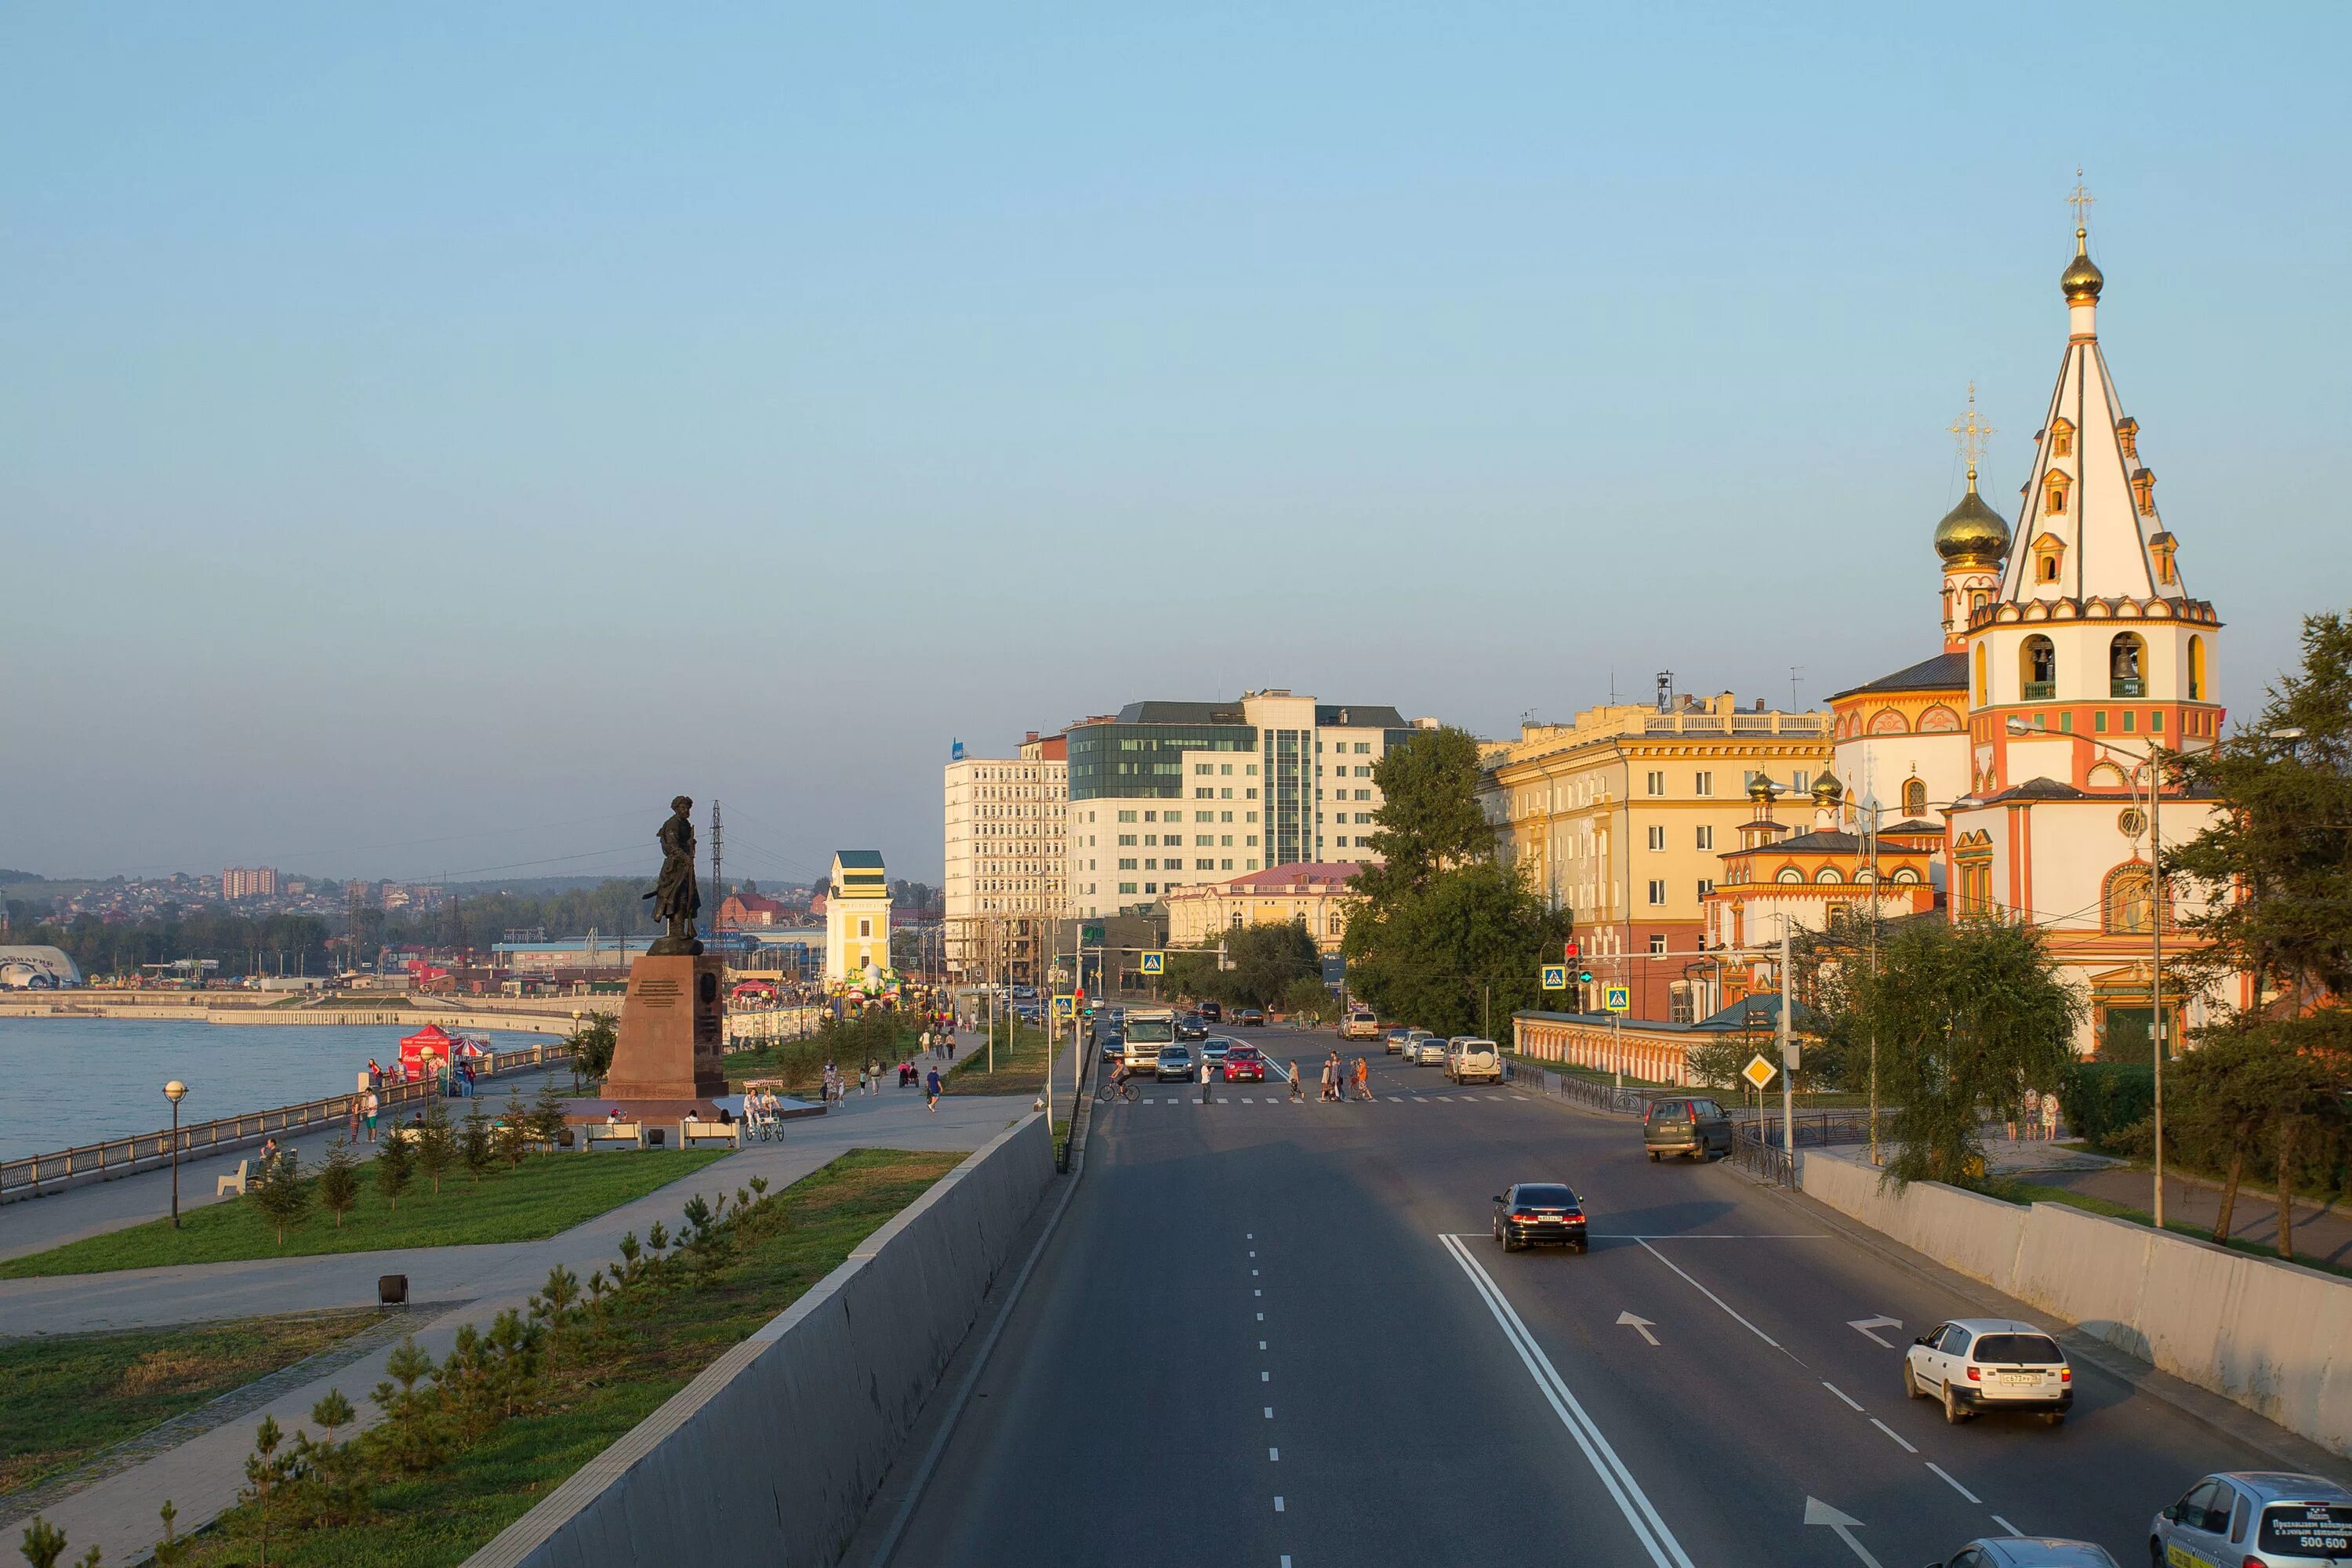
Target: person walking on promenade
[931, 1092]
[369, 1107]
[352, 1121]
[873, 1076]
[1297, 1090]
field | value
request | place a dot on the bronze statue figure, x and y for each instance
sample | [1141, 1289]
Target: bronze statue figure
[677, 895]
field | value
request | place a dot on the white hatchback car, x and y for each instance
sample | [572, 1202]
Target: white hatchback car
[1974, 1365]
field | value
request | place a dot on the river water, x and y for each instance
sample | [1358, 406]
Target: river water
[66, 1082]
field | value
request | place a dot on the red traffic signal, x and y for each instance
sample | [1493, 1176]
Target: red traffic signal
[1568, 950]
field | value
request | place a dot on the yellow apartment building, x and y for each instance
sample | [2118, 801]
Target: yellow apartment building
[1623, 817]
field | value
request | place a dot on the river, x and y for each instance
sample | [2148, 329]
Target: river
[65, 1081]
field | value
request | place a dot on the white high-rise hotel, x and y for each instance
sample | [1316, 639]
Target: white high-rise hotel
[1006, 846]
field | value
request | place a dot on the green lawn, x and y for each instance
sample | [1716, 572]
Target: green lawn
[445, 1514]
[2018, 1192]
[546, 1195]
[64, 1397]
[1020, 1065]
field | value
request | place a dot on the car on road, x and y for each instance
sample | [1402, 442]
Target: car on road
[1175, 1061]
[2276, 1517]
[1469, 1059]
[1191, 1027]
[1112, 1045]
[1422, 1050]
[1214, 1050]
[1974, 1365]
[1539, 1214]
[1251, 1018]
[1360, 1023]
[1696, 1126]
[1213, 1011]
[1245, 1064]
[2027, 1552]
[1394, 1041]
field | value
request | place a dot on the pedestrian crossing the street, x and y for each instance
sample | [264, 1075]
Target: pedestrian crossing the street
[1195, 1100]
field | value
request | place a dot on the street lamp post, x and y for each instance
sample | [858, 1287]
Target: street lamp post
[175, 1091]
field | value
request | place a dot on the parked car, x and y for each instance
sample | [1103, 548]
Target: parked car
[1695, 1126]
[1175, 1061]
[1975, 1365]
[1424, 1049]
[1111, 1045]
[2027, 1552]
[2290, 1520]
[1191, 1027]
[1214, 1050]
[1214, 1012]
[1469, 1059]
[1394, 1042]
[1245, 1064]
[1539, 1214]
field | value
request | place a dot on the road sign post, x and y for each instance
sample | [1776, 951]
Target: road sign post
[1619, 998]
[1155, 963]
[1555, 976]
[1758, 1073]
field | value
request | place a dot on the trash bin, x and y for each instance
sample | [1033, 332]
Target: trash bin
[392, 1290]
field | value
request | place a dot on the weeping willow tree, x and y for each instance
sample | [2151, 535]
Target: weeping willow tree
[1968, 1017]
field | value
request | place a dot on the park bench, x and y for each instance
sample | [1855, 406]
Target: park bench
[632, 1133]
[234, 1183]
[693, 1130]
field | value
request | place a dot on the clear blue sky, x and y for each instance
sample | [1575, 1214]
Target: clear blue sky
[432, 436]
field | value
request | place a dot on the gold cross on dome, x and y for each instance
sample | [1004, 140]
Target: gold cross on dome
[1972, 433]
[2081, 201]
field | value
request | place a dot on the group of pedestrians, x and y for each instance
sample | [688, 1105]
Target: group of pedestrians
[2040, 1119]
[1337, 1076]
[939, 1045]
[364, 1110]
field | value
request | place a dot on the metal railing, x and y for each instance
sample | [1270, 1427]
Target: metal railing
[1819, 1128]
[146, 1150]
[1766, 1161]
[1583, 1091]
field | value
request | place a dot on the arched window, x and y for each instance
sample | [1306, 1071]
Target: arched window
[1828, 873]
[2127, 664]
[2126, 907]
[2037, 668]
[1905, 877]
[1914, 797]
[2196, 669]
[1984, 688]
[1790, 874]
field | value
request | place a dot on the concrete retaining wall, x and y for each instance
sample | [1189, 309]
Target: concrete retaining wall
[2273, 1337]
[771, 1455]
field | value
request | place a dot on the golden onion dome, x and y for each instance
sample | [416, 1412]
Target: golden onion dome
[2082, 280]
[1761, 789]
[1827, 790]
[1972, 534]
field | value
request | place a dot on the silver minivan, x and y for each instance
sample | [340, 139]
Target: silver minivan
[2288, 1519]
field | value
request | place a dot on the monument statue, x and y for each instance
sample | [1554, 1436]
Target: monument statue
[677, 894]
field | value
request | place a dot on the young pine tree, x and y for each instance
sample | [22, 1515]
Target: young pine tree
[436, 1143]
[265, 1470]
[514, 1135]
[339, 1181]
[283, 1195]
[547, 1113]
[395, 1167]
[474, 1142]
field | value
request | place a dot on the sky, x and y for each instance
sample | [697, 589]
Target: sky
[432, 436]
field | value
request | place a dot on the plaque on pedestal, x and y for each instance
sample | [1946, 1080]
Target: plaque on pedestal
[670, 1040]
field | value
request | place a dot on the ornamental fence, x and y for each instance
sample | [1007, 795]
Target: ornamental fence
[38, 1174]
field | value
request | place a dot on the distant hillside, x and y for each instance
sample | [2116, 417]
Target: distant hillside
[536, 886]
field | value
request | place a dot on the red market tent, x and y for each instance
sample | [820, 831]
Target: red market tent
[424, 1053]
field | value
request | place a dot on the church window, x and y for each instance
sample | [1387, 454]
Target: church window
[1914, 797]
[1790, 874]
[2062, 438]
[2127, 437]
[2038, 669]
[1984, 688]
[2053, 495]
[1905, 877]
[2127, 659]
[2099, 722]
[2155, 721]
[2128, 906]
[1828, 873]
[2131, 719]
[2196, 669]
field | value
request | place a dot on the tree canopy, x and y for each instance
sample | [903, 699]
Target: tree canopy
[1262, 963]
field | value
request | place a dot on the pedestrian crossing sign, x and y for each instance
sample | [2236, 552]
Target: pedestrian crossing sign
[1555, 976]
[1758, 1071]
[1155, 963]
[1621, 998]
[1065, 1006]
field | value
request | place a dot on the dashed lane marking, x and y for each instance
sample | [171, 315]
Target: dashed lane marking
[1840, 1393]
[1898, 1436]
[1956, 1486]
[1996, 1518]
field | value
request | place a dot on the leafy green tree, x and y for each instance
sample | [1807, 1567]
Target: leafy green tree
[436, 1143]
[1430, 818]
[1308, 999]
[395, 1166]
[1968, 1017]
[282, 1194]
[339, 1181]
[1457, 954]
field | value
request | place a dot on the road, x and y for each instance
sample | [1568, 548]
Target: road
[1280, 1335]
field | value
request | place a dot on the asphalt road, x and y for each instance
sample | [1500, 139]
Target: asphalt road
[1281, 1334]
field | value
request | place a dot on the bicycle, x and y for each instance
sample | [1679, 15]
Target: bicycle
[1119, 1088]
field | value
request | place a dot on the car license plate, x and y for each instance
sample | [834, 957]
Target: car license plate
[2020, 1379]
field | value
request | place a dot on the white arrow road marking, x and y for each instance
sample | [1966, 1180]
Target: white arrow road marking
[1863, 1325]
[1641, 1326]
[1819, 1513]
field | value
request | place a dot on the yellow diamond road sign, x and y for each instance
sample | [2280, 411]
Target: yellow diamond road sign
[1758, 1071]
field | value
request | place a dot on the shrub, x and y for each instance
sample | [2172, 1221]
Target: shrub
[282, 1195]
[474, 1142]
[339, 1181]
[436, 1143]
[2102, 1101]
[395, 1166]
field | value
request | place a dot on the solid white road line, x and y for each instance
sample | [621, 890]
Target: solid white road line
[1898, 1436]
[1956, 1486]
[1840, 1393]
[1624, 1490]
[1717, 1300]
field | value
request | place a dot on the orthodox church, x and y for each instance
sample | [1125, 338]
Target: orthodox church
[2017, 773]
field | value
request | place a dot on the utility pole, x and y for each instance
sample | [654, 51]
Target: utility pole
[2156, 957]
[1788, 1051]
[1874, 908]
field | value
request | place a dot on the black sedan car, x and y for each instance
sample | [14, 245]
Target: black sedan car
[1112, 1045]
[1539, 1214]
[1191, 1027]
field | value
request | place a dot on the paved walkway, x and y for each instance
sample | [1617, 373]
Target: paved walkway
[201, 1476]
[2319, 1232]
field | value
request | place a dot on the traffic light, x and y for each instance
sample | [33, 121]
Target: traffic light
[1584, 977]
[1569, 951]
